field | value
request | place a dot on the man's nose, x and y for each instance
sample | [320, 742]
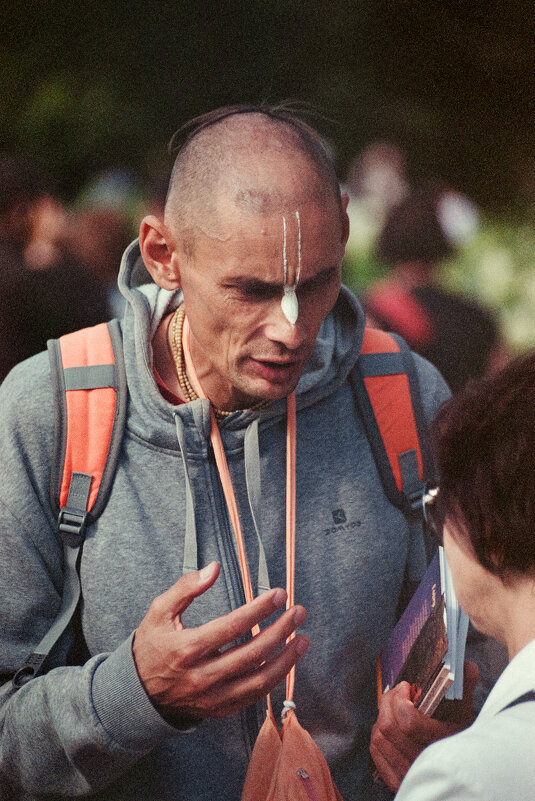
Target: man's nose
[279, 329]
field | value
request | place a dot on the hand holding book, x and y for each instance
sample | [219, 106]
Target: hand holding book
[421, 663]
[401, 731]
[426, 647]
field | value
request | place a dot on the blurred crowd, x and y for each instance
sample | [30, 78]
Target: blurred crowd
[59, 262]
[400, 237]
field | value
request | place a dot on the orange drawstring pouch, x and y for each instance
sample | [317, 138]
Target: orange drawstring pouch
[285, 765]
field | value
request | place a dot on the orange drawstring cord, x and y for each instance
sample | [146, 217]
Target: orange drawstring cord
[230, 498]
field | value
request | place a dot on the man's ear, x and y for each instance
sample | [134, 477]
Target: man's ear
[158, 248]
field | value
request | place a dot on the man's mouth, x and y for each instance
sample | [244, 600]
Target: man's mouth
[275, 371]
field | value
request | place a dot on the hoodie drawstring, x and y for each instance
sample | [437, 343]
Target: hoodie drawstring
[252, 481]
[191, 560]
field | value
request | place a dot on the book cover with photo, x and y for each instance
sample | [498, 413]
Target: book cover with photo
[426, 647]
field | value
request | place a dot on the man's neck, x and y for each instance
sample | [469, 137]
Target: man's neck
[163, 356]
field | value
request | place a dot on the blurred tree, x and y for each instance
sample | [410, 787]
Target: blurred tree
[90, 83]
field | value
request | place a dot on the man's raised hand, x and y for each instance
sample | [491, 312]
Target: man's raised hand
[183, 671]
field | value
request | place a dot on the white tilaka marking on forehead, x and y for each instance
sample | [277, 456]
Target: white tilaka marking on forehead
[289, 304]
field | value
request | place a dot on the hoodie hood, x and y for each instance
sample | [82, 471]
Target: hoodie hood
[336, 350]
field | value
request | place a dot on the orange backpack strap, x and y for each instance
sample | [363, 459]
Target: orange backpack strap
[89, 381]
[387, 393]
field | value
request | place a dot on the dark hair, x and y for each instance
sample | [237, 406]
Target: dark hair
[412, 231]
[484, 441]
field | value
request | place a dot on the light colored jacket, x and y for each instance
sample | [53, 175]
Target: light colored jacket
[492, 760]
[91, 729]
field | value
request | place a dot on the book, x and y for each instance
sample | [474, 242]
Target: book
[427, 645]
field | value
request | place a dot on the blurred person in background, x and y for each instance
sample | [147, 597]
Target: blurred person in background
[376, 180]
[20, 189]
[457, 335]
[105, 219]
[98, 239]
[45, 292]
[484, 511]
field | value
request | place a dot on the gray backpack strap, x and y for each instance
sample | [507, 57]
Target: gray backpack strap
[71, 595]
[80, 495]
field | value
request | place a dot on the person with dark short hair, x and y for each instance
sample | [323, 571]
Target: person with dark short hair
[458, 335]
[485, 511]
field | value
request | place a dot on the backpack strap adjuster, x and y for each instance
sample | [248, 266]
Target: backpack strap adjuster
[415, 501]
[72, 525]
[412, 485]
[30, 668]
[74, 516]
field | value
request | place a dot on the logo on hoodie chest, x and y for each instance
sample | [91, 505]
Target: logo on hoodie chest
[341, 523]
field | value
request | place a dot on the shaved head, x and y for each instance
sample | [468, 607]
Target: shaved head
[261, 161]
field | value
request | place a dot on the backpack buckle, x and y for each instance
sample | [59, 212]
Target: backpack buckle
[415, 500]
[72, 524]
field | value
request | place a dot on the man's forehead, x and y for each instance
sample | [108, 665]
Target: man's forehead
[264, 209]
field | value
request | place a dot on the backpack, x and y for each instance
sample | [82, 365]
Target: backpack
[90, 390]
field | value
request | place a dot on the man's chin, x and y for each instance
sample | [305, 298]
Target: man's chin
[270, 392]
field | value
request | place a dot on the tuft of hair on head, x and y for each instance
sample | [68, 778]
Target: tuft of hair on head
[289, 112]
[484, 443]
[206, 147]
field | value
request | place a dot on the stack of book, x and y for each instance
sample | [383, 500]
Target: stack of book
[426, 648]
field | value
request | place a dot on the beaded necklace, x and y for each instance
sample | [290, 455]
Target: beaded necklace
[189, 393]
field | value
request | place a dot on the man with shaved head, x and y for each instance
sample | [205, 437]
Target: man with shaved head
[235, 313]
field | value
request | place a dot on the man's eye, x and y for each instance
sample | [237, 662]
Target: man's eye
[321, 280]
[257, 291]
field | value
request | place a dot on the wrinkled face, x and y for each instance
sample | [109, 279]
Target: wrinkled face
[243, 345]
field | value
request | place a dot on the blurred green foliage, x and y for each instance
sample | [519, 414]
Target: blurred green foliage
[89, 85]
[496, 267]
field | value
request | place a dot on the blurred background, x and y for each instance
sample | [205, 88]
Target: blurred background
[417, 99]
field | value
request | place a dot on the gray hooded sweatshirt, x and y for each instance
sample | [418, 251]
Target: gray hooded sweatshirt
[91, 730]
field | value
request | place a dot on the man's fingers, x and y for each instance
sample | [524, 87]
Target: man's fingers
[171, 603]
[186, 673]
[249, 656]
[254, 686]
[236, 624]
